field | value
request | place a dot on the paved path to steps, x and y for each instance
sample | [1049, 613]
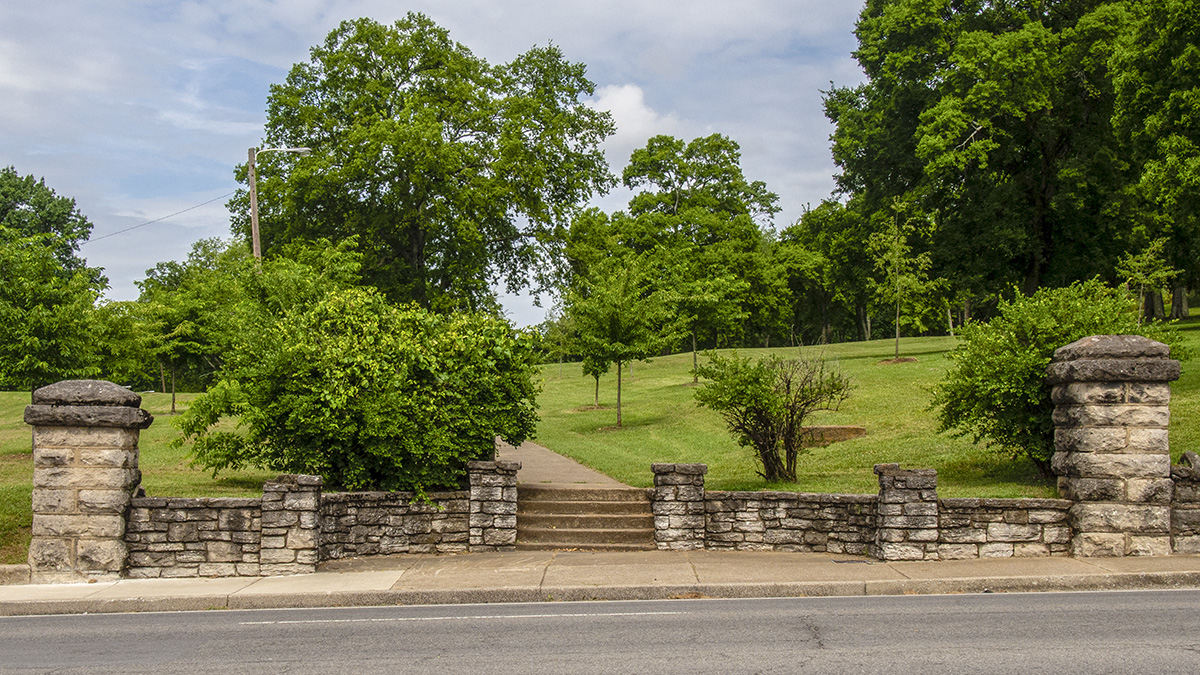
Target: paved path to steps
[544, 468]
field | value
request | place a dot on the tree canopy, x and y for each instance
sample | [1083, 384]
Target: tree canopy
[454, 173]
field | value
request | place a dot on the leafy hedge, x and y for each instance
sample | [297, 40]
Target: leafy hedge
[368, 395]
[996, 390]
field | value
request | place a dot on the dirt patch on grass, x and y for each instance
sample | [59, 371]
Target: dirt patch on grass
[587, 408]
[819, 436]
[17, 457]
[902, 359]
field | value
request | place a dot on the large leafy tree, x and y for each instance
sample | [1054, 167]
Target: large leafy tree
[1156, 71]
[455, 173]
[995, 118]
[48, 326]
[29, 208]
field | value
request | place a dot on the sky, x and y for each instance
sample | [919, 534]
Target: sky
[140, 109]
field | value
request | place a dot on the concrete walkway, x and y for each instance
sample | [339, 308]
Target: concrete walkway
[544, 468]
[528, 576]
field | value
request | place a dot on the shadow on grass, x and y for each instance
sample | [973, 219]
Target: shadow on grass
[986, 470]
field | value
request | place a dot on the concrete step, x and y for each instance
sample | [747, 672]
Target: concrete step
[586, 521]
[530, 506]
[569, 546]
[562, 494]
[592, 518]
[583, 537]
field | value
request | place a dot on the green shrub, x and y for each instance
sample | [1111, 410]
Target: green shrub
[369, 395]
[996, 390]
[764, 404]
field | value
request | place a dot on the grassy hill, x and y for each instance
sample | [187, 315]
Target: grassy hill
[663, 424]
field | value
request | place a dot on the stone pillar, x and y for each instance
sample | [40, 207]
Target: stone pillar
[291, 525]
[907, 514]
[678, 506]
[85, 470]
[1110, 439]
[493, 518]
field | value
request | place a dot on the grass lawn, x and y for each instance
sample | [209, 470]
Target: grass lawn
[662, 424]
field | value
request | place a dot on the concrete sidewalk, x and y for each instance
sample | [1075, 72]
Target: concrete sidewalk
[581, 575]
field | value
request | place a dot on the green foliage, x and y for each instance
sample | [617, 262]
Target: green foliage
[996, 389]
[29, 208]
[1148, 271]
[765, 402]
[906, 284]
[48, 327]
[621, 315]
[367, 394]
[454, 172]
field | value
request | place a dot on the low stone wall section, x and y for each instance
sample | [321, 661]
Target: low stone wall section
[381, 523]
[789, 521]
[206, 537]
[1003, 528]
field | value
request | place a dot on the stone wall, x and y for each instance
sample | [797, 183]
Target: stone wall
[789, 521]
[1003, 528]
[293, 526]
[381, 523]
[209, 537]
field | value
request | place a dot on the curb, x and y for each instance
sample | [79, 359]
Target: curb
[1062, 583]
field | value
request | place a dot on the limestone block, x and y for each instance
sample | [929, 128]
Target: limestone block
[103, 501]
[1103, 517]
[1186, 545]
[1098, 545]
[964, 535]
[1148, 441]
[900, 551]
[1112, 416]
[54, 501]
[84, 437]
[300, 501]
[1149, 490]
[1092, 489]
[1185, 520]
[995, 550]
[1149, 393]
[921, 535]
[498, 537]
[276, 555]
[1056, 534]
[1148, 546]
[1031, 550]
[920, 509]
[1090, 465]
[1047, 516]
[96, 477]
[1008, 532]
[1088, 393]
[958, 551]
[116, 458]
[91, 526]
[52, 457]
[51, 554]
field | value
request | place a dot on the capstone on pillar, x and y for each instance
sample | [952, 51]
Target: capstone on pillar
[1111, 397]
[85, 470]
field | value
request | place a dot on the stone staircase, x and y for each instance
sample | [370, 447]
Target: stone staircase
[590, 518]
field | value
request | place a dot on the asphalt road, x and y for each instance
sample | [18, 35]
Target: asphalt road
[1114, 632]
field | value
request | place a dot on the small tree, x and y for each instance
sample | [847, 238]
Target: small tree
[1148, 271]
[764, 404]
[619, 316]
[905, 274]
[996, 389]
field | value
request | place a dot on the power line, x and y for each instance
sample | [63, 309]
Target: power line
[159, 220]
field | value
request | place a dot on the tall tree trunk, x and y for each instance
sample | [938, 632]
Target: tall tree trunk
[619, 394]
[950, 319]
[897, 329]
[695, 376]
[597, 403]
[1179, 303]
